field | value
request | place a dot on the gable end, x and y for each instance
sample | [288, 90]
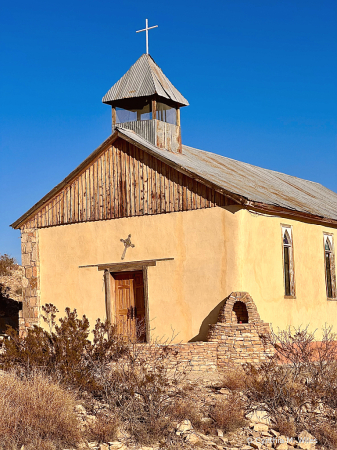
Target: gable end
[124, 181]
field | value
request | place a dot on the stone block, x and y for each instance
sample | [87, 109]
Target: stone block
[25, 258]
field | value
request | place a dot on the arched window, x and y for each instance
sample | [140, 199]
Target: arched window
[329, 259]
[288, 262]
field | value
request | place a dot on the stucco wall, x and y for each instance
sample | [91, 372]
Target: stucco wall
[216, 251]
[262, 271]
[183, 293]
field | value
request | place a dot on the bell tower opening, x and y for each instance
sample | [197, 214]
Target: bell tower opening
[145, 101]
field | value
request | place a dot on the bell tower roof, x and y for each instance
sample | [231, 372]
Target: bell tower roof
[143, 79]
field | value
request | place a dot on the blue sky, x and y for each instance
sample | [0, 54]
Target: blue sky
[260, 76]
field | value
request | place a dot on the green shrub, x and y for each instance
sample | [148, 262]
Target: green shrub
[65, 351]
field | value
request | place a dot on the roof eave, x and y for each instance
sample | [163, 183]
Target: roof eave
[267, 208]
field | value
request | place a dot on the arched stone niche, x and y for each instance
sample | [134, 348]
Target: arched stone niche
[239, 308]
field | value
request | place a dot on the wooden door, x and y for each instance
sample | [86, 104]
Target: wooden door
[130, 305]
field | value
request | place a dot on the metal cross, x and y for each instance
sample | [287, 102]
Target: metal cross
[127, 244]
[146, 29]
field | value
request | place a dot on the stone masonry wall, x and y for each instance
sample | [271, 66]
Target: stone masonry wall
[198, 356]
[240, 343]
[31, 278]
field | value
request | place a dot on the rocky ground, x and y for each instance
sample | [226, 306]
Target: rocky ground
[257, 434]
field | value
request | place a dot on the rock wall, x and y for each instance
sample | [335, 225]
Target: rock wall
[31, 279]
[240, 343]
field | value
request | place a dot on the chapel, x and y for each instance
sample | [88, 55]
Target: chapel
[149, 231]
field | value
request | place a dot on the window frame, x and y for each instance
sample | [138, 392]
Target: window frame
[289, 230]
[330, 238]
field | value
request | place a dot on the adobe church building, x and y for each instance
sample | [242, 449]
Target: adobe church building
[147, 230]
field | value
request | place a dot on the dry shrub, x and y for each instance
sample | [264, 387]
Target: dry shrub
[185, 408]
[143, 388]
[326, 434]
[228, 413]
[285, 427]
[234, 379]
[104, 428]
[297, 386]
[7, 264]
[37, 413]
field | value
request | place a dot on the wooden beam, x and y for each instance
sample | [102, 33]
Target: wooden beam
[107, 277]
[146, 303]
[178, 117]
[154, 109]
[113, 118]
[292, 213]
[121, 267]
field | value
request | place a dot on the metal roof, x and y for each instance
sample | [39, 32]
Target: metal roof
[144, 79]
[251, 182]
[247, 184]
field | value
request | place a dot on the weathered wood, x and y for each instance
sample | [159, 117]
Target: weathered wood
[125, 181]
[107, 277]
[130, 265]
[178, 117]
[154, 109]
[146, 301]
[113, 117]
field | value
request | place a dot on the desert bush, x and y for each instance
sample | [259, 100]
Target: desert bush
[104, 428]
[326, 434]
[4, 291]
[234, 378]
[141, 385]
[7, 264]
[36, 412]
[228, 413]
[285, 427]
[145, 387]
[186, 407]
[297, 386]
[65, 351]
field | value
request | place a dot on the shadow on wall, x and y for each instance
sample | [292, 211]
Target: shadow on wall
[9, 310]
[211, 318]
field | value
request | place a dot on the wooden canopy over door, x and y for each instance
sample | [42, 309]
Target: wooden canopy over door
[130, 305]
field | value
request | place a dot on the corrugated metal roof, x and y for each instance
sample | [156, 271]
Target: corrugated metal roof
[143, 79]
[245, 182]
[251, 182]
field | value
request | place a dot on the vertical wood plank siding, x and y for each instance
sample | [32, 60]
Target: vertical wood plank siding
[125, 181]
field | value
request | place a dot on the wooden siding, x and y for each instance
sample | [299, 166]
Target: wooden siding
[125, 181]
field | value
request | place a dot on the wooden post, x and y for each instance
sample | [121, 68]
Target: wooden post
[113, 117]
[178, 117]
[154, 109]
[146, 302]
[107, 295]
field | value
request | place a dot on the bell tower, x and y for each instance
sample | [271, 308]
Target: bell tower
[145, 101]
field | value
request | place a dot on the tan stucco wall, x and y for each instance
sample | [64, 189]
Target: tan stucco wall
[216, 251]
[262, 264]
